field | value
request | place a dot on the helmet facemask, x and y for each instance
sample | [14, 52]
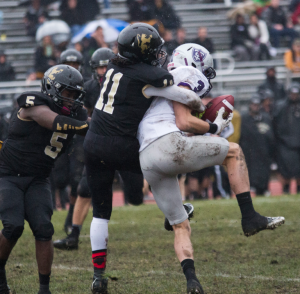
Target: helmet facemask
[75, 103]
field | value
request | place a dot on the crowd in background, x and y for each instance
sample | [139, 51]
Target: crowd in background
[268, 132]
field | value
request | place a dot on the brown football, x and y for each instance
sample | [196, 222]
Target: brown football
[212, 108]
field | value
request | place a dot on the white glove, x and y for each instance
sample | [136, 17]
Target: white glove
[221, 122]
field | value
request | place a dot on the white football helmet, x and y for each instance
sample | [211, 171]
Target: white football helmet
[191, 54]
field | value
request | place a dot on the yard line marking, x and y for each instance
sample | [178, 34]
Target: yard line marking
[263, 278]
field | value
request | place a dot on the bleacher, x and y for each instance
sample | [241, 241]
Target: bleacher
[241, 81]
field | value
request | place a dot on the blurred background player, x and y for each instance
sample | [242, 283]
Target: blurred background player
[257, 142]
[68, 168]
[287, 133]
[132, 183]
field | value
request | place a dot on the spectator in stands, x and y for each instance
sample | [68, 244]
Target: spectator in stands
[292, 57]
[7, 72]
[180, 39]
[31, 76]
[203, 40]
[267, 102]
[278, 24]
[165, 13]
[258, 32]
[240, 39]
[287, 134]
[257, 142]
[34, 17]
[168, 46]
[272, 84]
[44, 57]
[71, 14]
[140, 10]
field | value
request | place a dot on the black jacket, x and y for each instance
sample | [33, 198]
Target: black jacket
[167, 16]
[239, 34]
[207, 43]
[276, 87]
[7, 72]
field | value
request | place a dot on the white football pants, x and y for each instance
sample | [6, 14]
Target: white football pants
[175, 154]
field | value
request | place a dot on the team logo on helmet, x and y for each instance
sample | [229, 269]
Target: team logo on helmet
[53, 72]
[198, 55]
[144, 42]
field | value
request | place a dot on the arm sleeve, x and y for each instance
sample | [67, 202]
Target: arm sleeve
[178, 94]
[67, 125]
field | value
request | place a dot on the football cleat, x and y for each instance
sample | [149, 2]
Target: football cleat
[259, 223]
[4, 289]
[194, 287]
[190, 211]
[99, 286]
[44, 292]
[69, 243]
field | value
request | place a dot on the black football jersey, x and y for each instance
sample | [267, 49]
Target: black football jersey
[121, 104]
[31, 149]
[92, 90]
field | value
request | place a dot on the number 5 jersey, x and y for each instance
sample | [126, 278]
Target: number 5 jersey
[31, 149]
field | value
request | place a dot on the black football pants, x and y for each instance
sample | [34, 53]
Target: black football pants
[103, 156]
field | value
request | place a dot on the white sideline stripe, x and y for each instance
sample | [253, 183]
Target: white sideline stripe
[228, 104]
[281, 279]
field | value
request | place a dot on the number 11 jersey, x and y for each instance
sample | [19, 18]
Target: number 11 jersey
[122, 104]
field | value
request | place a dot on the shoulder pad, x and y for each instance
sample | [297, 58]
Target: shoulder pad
[29, 99]
[154, 76]
[191, 77]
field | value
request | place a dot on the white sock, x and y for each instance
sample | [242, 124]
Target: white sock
[99, 233]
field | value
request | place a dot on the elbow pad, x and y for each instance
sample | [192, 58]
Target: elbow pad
[67, 125]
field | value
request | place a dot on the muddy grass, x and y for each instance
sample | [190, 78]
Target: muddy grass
[142, 260]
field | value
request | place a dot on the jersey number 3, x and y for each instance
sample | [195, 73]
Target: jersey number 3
[108, 107]
[56, 146]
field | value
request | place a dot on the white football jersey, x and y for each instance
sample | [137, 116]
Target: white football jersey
[159, 120]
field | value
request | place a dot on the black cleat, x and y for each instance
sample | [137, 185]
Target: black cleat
[194, 287]
[259, 223]
[69, 243]
[99, 286]
[4, 289]
[190, 211]
[44, 292]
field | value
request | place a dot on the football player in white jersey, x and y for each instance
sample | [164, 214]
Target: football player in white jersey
[166, 151]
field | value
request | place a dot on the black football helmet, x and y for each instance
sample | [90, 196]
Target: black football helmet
[71, 56]
[61, 77]
[100, 57]
[141, 42]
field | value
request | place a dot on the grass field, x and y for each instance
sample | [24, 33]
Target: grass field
[142, 259]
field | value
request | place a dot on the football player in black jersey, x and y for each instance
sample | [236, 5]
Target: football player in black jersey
[111, 142]
[132, 182]
[73, 58]
[39, 132]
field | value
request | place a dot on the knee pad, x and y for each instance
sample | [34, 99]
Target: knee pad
[12, 232]
[44, 232]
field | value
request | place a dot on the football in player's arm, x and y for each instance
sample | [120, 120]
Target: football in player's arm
[39, 132]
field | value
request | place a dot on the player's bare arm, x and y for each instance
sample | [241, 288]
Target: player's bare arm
[48, 119]
[186, 122]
